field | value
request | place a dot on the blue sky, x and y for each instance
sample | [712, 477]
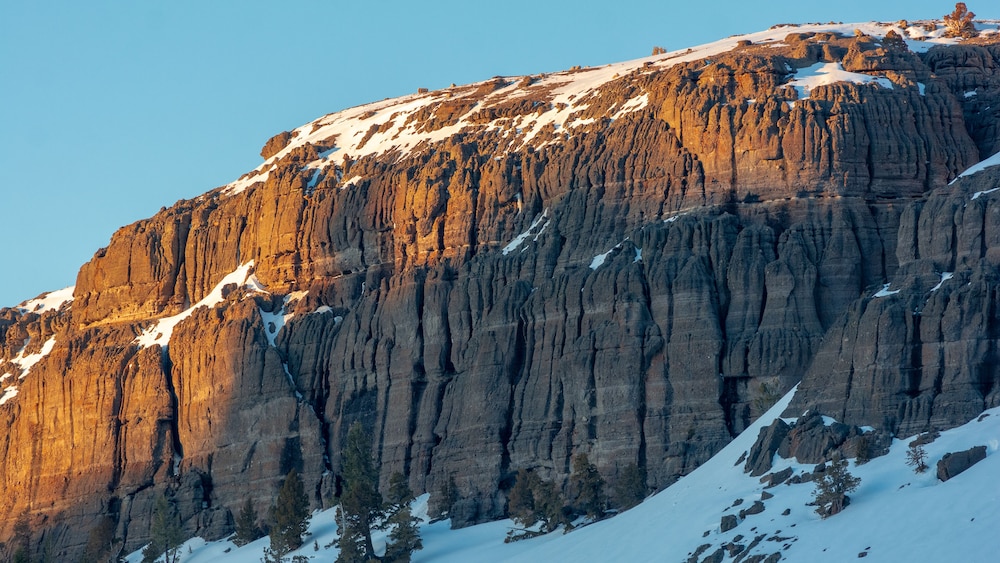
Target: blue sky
[110, 110]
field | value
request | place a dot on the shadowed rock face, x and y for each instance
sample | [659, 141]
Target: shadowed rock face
[677, 268]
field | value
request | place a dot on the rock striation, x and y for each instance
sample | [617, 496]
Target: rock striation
[503, 275]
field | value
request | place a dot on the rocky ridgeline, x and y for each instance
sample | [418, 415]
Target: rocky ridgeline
[638, 286]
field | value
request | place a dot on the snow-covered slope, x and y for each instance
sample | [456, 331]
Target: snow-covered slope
[895, 515]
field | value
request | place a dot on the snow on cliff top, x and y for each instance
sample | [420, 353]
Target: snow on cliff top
[47, 301]
[396, 125]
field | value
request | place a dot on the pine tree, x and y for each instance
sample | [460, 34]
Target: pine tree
[165, 533]
[532, 500]
[521, 500]
[446, 497]
[361, 502]
[247, 529]
[630, 488]
[405, 537]
[289, 518]
[100, 540]
[832, 486]
[549, 505]
[587, 488]
[350, 544]
[916, 457]
[22, 539]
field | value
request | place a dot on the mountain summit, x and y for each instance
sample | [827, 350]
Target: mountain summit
[632, 262]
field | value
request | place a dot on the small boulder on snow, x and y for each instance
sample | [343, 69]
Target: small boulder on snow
[954, 463]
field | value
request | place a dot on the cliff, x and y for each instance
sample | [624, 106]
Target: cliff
[631, 261]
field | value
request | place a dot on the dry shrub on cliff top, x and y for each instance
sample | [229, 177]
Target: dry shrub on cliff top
[959, 22]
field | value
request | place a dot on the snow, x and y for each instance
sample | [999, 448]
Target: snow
[945, 276]
[48, 301]
[402, 125]
[598, 260]
[8, 394]
[160, 332]
[890, 516]
[970, 94]
[979, 167]
[519, 239]
[977, 195]
[274, 322]
[884, 292]
[24, 363]
[822, 73]
[895, 515]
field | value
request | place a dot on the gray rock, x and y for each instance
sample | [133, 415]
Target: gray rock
[956, 462]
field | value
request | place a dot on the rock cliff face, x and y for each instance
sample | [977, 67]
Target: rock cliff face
[630, 262]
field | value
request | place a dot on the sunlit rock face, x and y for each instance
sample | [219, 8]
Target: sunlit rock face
[629, 261]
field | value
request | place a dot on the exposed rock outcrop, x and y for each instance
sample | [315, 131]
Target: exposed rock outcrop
[636, 282]
[956, 462]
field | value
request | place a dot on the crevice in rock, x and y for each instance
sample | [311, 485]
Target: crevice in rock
[915, 369]
[175, 435]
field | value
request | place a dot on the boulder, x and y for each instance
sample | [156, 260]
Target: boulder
[956, 462]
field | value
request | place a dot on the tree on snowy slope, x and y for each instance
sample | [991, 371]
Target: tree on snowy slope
[361, 508]
[587, 488]
[533, 500]
[404, 538]
[247, 529]
[165, 533]
[832, 486]
[289, 518]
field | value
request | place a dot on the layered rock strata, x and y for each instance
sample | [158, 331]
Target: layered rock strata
[636, 281]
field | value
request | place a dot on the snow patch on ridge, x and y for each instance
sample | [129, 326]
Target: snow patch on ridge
[977, 195]
[884, 292]
[48, 301]
[160, 332]
[24, 363]
[945, 276]
[979, 167]
[821, 74]
[519, 239]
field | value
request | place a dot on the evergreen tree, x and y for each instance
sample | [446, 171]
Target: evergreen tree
[832, 486]
[165, 533]
[532, 500]
[22, 539]
[630, 488]
[100, 541]
[404, 538]
[289, 518]
[247, 529]
[916, 457]
[587, 488]
[350, 544]
[446, 497]
[521, 500]
[862, 450]
[361, 503]
[549, 505]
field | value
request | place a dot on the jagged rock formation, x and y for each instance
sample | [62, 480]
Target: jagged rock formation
[499, 276]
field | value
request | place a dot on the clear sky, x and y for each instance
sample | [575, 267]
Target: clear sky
[110, 110]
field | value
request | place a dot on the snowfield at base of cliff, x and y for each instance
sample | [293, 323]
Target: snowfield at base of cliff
[895, 515]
